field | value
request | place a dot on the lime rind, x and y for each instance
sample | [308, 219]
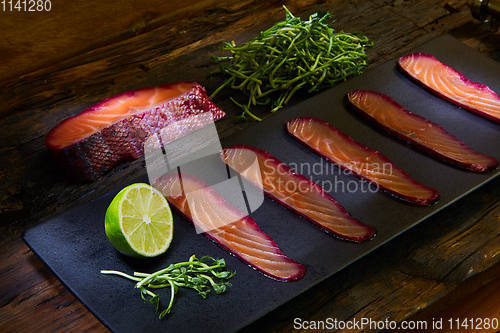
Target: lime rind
[131, 236]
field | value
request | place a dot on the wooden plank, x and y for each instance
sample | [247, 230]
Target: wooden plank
[475, 298]
[32, 298]
[74, 27]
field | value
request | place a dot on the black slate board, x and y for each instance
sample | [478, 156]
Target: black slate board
[74, 246]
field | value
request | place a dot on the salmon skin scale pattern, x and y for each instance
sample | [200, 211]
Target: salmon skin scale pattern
[123, 140]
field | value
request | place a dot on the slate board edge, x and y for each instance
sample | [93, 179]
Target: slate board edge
[250, 321]
[95, 313]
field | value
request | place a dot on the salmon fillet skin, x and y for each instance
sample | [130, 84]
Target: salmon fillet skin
[296, 192]
[451, 85]
[114, 130]
[418, 131]
[364, 162]
[227, 226]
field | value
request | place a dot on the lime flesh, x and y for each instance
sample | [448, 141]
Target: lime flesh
[139, 222]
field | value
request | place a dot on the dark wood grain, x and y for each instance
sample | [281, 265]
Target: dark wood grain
[474, 298]
[152, 42]
[75, 27]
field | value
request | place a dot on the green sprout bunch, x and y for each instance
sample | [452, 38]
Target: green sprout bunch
[202, 275]
[292, 55]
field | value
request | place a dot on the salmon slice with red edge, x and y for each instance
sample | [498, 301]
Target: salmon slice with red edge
[418, 131]
[362, 161]
[114, 130]
[242, 237]
[451, 85]
[296, 192]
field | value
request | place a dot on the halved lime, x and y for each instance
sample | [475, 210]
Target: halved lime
[139, 222]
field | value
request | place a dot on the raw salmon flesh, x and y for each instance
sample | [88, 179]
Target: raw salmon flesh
[451, 85]
[242, 237]
[418, 131]
[92, 142]
[362, 161]
[296, 192]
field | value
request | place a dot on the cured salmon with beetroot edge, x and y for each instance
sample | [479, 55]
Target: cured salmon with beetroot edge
[92, 142]
[362, 161]
[418, 131]
[227, 226]
[451, 85]
[296, 192]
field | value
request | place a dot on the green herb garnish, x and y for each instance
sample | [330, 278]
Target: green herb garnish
[292, 55]
[202, 275]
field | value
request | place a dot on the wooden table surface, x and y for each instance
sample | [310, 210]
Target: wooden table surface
[54, 64]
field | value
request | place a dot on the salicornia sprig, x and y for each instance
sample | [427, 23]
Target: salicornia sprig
[292, 55]
[202, 275]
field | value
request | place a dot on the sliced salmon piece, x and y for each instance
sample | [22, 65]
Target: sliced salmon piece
[451, 85]
[114, 130]
[362, 161]
[227, 226]
[418, 131]
[296, 192]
